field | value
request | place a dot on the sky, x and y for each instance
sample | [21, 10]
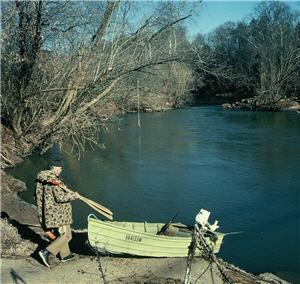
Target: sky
[214, 13]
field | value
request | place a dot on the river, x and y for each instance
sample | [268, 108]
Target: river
[244, 167]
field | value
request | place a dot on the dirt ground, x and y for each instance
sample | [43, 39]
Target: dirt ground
[113, 270]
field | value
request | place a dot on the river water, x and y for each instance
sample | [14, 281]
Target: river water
[244, 167]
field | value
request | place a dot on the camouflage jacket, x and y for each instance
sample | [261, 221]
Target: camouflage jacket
[53, 203]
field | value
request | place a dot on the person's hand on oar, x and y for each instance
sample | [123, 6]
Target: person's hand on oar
[96, 206]
[77, 195]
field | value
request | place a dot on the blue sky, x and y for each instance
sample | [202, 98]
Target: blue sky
[215, 13]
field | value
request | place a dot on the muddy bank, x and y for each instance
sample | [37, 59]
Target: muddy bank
[22, 238]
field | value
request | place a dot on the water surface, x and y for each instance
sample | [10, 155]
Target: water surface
[244, 167]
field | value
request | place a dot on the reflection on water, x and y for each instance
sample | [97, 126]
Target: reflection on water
[242, 166]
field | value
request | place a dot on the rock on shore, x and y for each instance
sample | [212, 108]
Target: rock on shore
[12, 204]
[256, 104]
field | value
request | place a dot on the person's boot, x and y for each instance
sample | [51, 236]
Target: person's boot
[71, 256]
[44, 254]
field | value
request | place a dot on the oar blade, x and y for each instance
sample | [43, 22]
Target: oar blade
[96, 205]
[110, 217]
[103, 213]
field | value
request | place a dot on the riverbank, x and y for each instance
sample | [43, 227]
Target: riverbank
[123, 270]
[14, 150]
[255, 104]
[21, 238]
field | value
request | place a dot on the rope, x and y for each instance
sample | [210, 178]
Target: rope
[211, 255]
[100, 268]
[209, 264]
[198, 240]
[190, 257]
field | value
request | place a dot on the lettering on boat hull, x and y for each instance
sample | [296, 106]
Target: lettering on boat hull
[133, 238]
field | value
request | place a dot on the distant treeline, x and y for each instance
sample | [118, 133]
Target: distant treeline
[256, 57]
[68, 67]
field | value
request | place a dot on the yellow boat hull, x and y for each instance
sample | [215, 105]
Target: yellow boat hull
[141, 239]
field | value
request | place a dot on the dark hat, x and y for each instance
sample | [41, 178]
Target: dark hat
[55, 163]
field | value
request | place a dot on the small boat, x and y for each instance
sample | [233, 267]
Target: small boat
[143, 239]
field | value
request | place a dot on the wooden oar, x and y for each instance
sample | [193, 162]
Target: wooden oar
[96, 206]
[108, 216]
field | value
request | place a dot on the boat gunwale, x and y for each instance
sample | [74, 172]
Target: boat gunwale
[174, 238]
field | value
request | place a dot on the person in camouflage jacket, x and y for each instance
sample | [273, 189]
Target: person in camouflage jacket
[55, 212]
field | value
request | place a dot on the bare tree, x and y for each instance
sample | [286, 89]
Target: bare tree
[276, 43]
[259, 58]
[76, 69]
